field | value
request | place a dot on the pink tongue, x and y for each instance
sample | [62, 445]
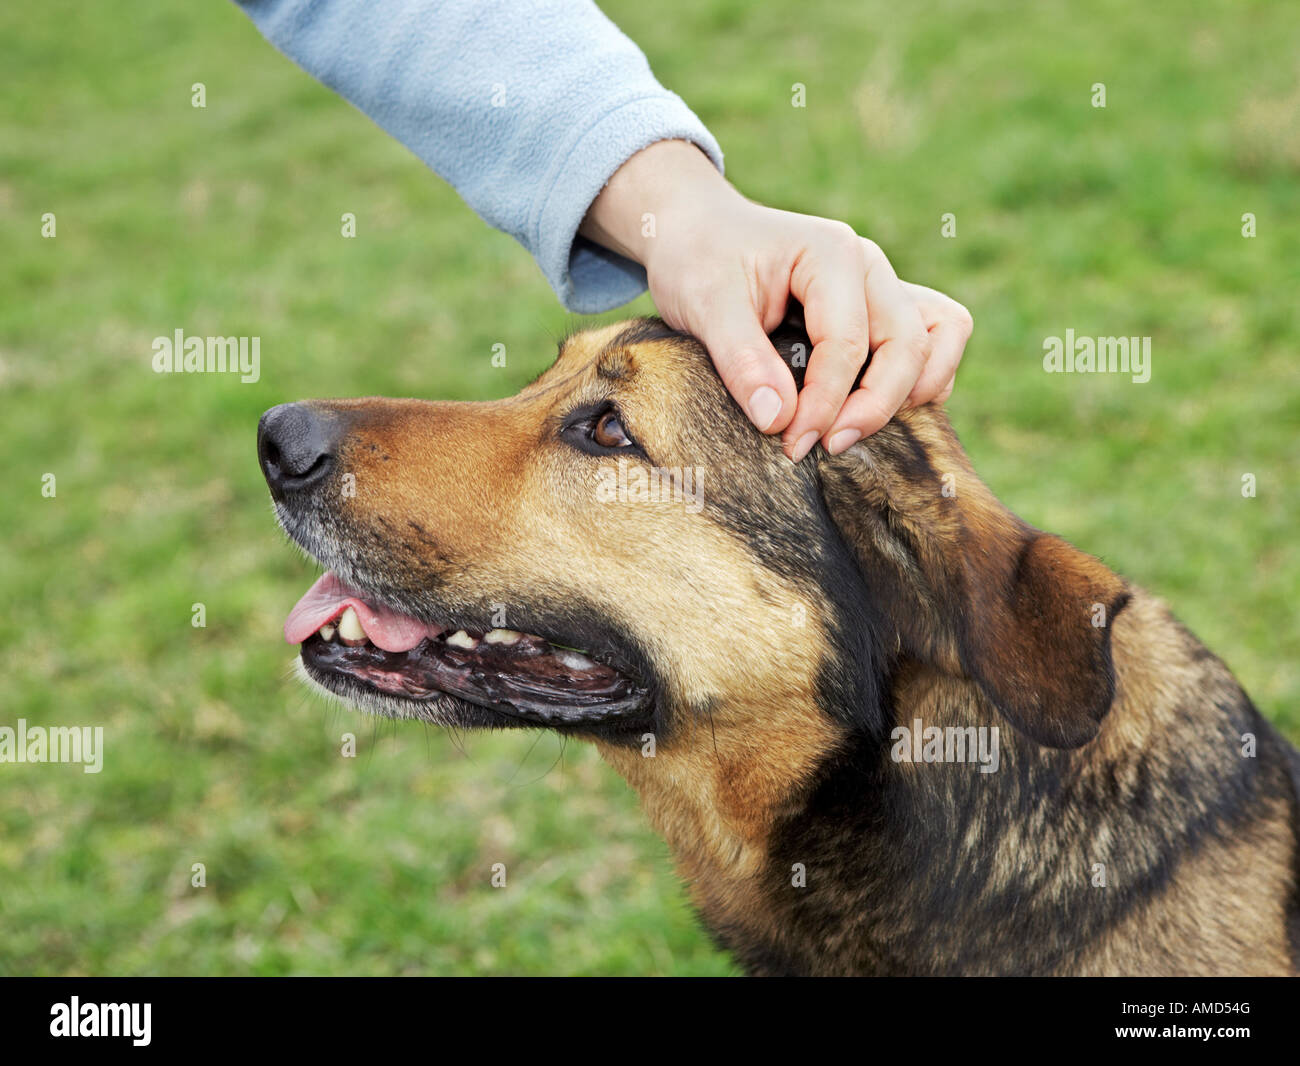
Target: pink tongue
[328, 598]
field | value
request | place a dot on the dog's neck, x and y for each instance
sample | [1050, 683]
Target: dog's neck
[716, 790]
[808, 849]
[811, 848]
[725, 788]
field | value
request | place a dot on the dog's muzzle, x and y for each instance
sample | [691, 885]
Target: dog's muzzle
[356, 644]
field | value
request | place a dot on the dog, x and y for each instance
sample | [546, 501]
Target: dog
[886, 726]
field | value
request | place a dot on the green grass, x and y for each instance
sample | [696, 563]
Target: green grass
[226, 221]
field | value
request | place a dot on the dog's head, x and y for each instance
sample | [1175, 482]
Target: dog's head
[616, 551]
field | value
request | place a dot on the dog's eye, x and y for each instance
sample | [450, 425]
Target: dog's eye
[598, 430]
[608, 431]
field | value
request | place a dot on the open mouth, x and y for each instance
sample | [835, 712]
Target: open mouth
[347, 635]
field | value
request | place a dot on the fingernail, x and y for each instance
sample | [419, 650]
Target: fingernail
[843, 440]
[764, 406]
[804, 445]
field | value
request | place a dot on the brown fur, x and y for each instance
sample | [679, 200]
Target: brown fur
[791, 624]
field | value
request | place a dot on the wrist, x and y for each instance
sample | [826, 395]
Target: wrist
[662, 186]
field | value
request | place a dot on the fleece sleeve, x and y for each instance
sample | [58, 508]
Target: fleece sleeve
[526, 107]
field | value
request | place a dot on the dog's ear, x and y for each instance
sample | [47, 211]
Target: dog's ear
[968, 586]
[1036, 635]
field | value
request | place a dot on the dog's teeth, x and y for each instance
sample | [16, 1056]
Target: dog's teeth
[350, 631]
[461, 639]
[501, 636]
[574, 660]
[327, 632]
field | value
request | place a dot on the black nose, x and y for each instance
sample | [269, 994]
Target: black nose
[296, 447]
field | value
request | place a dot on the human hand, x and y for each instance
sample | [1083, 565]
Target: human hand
[723, 268]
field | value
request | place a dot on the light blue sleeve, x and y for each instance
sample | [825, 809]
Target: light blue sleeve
[526, 108]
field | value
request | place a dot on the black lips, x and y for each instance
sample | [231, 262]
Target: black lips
[528, 680]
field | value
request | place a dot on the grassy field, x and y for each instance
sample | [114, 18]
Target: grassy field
[1125, 220]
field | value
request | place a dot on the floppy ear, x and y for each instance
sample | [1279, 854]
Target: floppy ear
[968, 586]
[1036, 636]
[972, 588]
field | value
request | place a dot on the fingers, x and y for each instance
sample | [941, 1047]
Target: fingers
[947, 342]
[901, 347]
[748, 364]
[885, 386]
[949, 325]
[827, 280]
[728, 288]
